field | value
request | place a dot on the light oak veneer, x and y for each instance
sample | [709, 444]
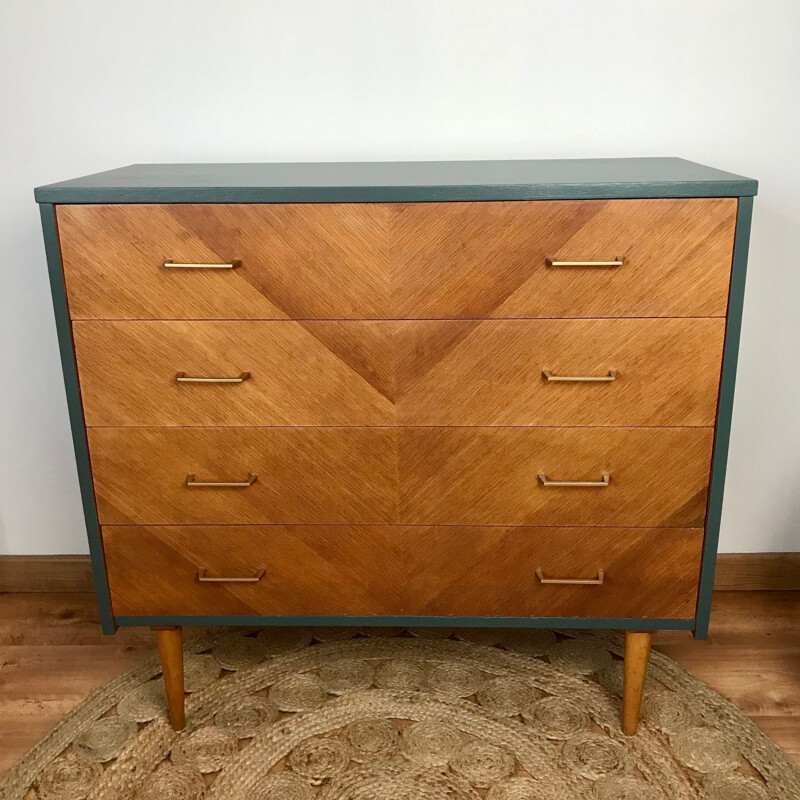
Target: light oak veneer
[487, 372]
[490, 476]
[362, 570]
[405, 260]
[658, 476]
[312, 475]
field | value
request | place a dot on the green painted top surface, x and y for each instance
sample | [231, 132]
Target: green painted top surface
[400, 181]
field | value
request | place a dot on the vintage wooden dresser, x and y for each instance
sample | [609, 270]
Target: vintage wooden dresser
[477, 393]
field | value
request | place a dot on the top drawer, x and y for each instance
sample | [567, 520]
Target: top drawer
[399, 261]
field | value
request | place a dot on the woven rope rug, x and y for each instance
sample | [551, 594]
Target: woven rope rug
[392, 714]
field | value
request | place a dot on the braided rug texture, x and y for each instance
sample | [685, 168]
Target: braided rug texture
[423, 714]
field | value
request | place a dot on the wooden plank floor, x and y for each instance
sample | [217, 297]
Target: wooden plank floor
[52, 655]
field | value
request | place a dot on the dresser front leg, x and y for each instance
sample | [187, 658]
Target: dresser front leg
[637, 654]
[170, 648]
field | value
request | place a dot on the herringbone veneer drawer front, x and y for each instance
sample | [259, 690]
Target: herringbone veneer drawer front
[404, 261]
[314, 475]
[291, 261]
[654, 477]
[559, 372]
[491, 259]
[487, 476]
[491, 372]
[361, 570]
[285, 373]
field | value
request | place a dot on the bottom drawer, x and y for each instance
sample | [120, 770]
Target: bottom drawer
[403, 570]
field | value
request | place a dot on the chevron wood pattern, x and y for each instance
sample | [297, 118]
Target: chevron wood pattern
[468, 571]
[489, 476]
[426, 476]
[308, 569]
[488, 259]
[317, 261]
[321, 373]
[405, 261]
[490, 372]
[400, 372]
[313, 475]
[479, 571]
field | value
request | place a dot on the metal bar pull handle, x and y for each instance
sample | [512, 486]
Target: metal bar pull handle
[203, 577]
[612, 376]
[170, 264]
[617, 262]
[182, 377]
[598, 581]
[604, 481]
[193, 483]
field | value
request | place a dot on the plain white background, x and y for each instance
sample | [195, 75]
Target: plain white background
[90, 85]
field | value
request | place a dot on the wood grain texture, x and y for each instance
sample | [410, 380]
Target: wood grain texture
[308, 569]
[490, 372]
[396, 570]
[758, 571]
[316, 261]
[481, 260]
[45, 574]
[637, 655]
[490, 571]
[407, 261]
[321, 373]
[741, 572]
[170, 651]
[422, 476]
[402, 372]
[659, 476]
[313, 475]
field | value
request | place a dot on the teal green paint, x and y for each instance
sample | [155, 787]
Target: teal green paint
[76, 422]
[401, 182]
[433, 622]
[724, 413]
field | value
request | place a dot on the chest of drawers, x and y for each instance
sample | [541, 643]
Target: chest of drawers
[480, 393]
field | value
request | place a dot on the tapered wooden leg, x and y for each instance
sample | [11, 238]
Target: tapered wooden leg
[637, 653]
[170, 648]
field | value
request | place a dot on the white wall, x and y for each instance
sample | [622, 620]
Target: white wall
[89, 85]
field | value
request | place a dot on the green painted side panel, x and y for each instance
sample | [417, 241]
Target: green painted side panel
[724, 413]
[433, 622]
[69, 369]
[406, 182]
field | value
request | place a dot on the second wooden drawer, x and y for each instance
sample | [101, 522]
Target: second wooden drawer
[637, 476]
[489, 372]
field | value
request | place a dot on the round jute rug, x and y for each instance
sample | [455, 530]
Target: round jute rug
[393, 714]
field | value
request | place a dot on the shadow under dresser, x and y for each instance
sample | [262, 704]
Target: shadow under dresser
[432, 393]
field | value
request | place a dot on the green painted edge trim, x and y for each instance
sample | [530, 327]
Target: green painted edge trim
[434, 622]
[393, 194]
[76, 421]
[719, 463]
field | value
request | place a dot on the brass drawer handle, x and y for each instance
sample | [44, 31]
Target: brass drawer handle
[182, 377]
[612, 376]
[204, 578]
[616, 263]
[193, 483]
[604, 481]
[598, 581]
[177, 265]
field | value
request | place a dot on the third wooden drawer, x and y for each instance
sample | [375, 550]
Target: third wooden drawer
[468, 372]
[509, 476]
[420, 570]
